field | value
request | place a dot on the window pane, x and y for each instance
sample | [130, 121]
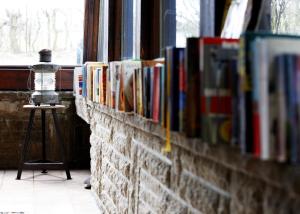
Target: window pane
[103, 31]
[285, 16]
[127, 29]
[27, 26]
[137, 28]
[187, 20]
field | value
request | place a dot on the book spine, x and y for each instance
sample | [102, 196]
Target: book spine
[193, 90]
[112, 85]
[281, 136]
[121, 91]
[156, 98]
[174, 84]
[151, 92]
[182, 92]
[290, 90]
[117, 86]
[108, 87]
[162, 97]
[255, 70]
[84, 79]
[134, 90]
[145, 91]
[263, 102]
[140, 107]
[243, 87]
[297, 79]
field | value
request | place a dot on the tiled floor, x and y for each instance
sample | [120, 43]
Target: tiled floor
[38, 193]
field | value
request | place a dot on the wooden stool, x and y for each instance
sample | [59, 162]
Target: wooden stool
[43, 164]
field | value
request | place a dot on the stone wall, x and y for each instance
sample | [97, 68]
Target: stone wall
[130, 174]
[13, 125]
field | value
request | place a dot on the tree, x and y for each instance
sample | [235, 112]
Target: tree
[14, 24]
[278, 8]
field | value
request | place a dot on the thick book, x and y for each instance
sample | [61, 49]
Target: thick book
[193, 88]
[291, 106]
[114, 69]
[216, 59]
[120, 97]
[127, 71]
[146, 91]
[102, 83]
[173, 56]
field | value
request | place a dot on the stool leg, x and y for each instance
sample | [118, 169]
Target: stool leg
[44, 138]
[63, 150]
[25, 144]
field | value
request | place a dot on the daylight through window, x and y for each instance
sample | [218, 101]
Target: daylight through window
[27, 26]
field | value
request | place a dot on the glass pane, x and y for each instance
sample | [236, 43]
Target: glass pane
[103, 31]
[127, 29]
[27, 26]
[187, 20]
[285, 16]
[137, 28]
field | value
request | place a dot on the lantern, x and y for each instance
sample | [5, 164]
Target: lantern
[44, 80]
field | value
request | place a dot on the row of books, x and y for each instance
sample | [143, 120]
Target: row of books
[269, 97]
[241, 92]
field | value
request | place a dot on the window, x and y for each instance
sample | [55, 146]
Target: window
[127, 29]
[187, 20]
[285, 16]
[179, 20]
[103, 31]
[27, 26]
[137, 28]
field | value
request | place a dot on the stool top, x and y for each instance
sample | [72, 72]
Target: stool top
[43, 107]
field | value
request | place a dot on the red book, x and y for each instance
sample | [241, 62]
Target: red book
[155, 94]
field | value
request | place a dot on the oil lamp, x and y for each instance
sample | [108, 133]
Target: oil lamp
[44, 80]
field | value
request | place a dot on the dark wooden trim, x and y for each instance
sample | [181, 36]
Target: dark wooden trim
[115, 30]
[15, 78]
[91, 29]
[150, 29]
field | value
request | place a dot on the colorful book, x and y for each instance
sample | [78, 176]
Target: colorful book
[182, 93]
[173, 56]
[216, 59]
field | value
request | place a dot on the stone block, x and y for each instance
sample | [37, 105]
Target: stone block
[155, 163]
[203, 195]
[168, 201]
[247, 194]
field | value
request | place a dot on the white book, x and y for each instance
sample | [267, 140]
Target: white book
[128, 68]
[114, 69]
